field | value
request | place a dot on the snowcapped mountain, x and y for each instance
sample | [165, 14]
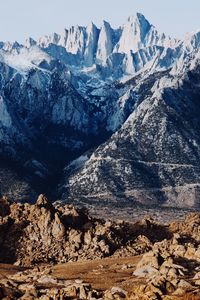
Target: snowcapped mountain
[117, 109]
[126, 49]
[154, 157]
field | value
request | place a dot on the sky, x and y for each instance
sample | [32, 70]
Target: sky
[20, 19]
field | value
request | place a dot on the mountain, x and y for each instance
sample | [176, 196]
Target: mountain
[116, 109]
[154, 158]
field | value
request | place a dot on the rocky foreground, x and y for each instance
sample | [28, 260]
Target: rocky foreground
[60, 252]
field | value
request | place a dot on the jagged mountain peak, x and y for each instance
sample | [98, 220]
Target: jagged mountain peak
[44, 41]
[105, 43]
[138, 33]
[30, 42]
[134, 47]
[106, 24]
[91, 26]
[10, 46]
[192, 39]
[139, 19]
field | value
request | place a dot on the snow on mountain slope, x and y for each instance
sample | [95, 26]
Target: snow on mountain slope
[132, 91]
[125, 50]
[154, 157]
[24, 59]
[115, 52]
[138, 33]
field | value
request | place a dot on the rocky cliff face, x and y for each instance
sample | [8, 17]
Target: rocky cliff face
[52, 233]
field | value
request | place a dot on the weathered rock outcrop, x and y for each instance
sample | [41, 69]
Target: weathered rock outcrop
[45, 232]
[39, 235]
[171, 268]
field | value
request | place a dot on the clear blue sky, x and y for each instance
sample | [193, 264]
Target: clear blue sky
[20, 19]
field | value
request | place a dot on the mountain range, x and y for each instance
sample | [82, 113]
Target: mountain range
[102, 114]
